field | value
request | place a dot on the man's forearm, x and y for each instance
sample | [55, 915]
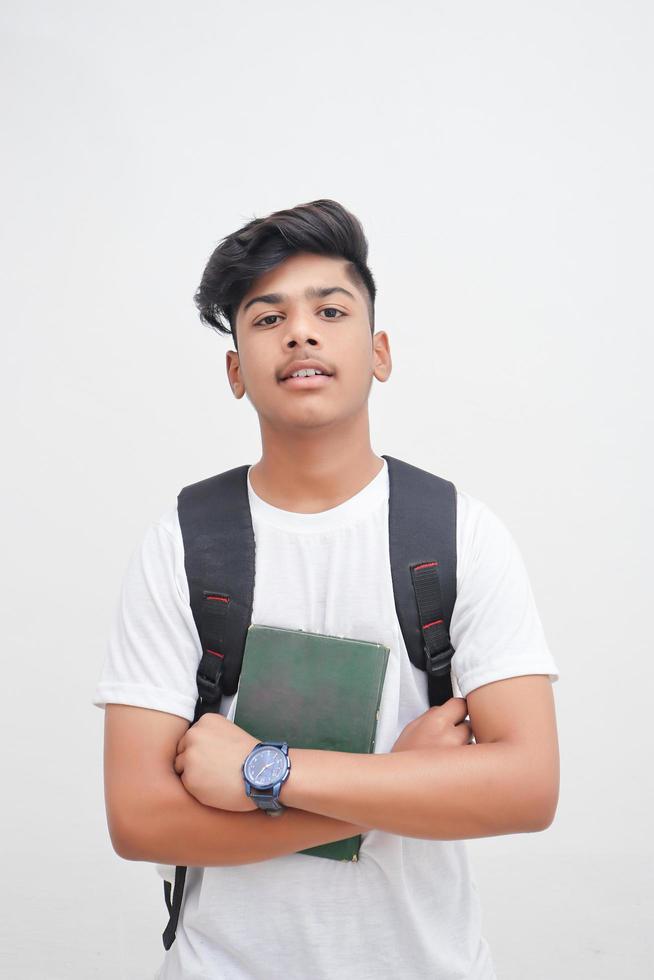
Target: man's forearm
[476, 790]
[182, 831]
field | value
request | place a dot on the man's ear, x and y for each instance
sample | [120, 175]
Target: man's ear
[233, 365]
[381, 350]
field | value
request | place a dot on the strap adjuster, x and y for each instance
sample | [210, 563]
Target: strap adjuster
[438, 664]
[209, 688]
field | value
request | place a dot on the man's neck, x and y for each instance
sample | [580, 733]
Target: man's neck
[310, 483]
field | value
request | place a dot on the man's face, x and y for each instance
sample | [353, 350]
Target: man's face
[287, 316]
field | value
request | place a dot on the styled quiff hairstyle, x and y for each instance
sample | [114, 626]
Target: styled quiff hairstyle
[323, 227]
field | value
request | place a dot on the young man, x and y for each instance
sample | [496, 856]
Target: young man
[294, 290]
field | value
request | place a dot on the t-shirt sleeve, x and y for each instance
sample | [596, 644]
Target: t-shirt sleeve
[495, 630]
[153, 648]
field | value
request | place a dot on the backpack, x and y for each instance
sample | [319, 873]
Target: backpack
[219, 559]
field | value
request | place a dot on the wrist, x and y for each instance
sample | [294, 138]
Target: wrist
[284, 796]
[294, 791]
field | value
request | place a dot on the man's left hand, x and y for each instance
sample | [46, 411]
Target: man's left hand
[209, 759]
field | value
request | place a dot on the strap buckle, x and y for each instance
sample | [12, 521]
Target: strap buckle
[210, 688]
[438, 664]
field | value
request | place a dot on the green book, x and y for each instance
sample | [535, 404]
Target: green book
[314, 691]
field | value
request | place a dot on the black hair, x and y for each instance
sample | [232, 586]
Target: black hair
[322, 227]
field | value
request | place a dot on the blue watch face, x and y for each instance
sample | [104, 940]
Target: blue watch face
[265, 766]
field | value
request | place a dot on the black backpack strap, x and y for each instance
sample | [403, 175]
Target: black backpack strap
[422, 542]
[216, 525]
[173, 905]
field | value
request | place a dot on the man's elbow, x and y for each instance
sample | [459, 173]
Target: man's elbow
[125, 850]
[530, 797]
[138, 824]
[122, 839]
[542, 810]
[538, 778]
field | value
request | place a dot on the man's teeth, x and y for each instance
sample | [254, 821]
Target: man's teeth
[307, 373]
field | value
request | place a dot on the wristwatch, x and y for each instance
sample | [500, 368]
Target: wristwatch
[264, 770]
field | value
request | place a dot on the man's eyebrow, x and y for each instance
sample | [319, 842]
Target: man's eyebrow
[311, 292]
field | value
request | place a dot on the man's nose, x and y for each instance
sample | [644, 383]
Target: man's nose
[300, 330]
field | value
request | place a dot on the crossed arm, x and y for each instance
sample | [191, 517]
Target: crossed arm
[476, 790]
[507, 782]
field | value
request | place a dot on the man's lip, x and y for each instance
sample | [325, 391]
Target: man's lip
[314, 381]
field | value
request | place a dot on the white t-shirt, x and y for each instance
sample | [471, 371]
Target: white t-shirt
[408, 907]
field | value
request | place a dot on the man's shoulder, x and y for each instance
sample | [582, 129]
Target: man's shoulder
[471, 512]
[168, 521]
[160, 550]
[482, 535]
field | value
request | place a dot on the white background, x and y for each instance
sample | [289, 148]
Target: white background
[500, 158]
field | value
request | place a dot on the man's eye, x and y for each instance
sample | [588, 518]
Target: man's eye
[269, 316]
[334, 310]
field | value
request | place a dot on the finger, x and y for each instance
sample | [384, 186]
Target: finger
[456, 709]
[178, 764]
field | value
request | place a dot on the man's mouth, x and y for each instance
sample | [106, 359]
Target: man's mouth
[312, 381]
